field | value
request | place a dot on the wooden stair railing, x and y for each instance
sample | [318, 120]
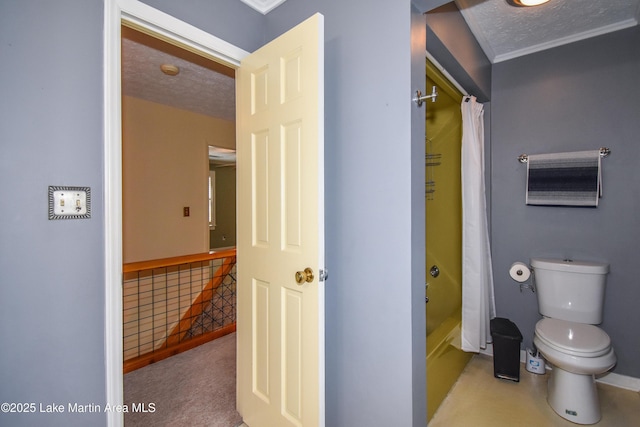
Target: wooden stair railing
[198, 306]
[175, 342]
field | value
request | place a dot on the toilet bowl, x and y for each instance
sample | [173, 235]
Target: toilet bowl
[577, 352]
[570, 296]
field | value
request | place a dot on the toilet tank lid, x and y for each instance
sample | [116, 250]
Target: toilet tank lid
[585, 267]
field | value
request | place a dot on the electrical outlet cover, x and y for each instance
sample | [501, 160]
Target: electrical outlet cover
[69, 202]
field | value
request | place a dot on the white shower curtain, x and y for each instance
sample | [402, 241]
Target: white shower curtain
[478, 303]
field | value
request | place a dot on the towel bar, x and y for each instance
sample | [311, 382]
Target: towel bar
[604, 152]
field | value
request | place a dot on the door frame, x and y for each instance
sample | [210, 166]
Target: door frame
[166, 27]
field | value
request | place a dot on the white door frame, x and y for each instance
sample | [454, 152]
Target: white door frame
[166, 27]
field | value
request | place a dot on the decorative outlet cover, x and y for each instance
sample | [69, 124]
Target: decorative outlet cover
[69, 202]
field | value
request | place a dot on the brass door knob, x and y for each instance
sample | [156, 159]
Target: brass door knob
[304, 276]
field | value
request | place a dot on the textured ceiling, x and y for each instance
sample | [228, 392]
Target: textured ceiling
[506, 32]
[202, 86]
[503, 31]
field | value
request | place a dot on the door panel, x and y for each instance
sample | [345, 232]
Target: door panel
[281, 230]
[292, 203]
[260, 338]
[259, 188]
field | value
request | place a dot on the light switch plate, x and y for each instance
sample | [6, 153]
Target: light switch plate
[69, 202]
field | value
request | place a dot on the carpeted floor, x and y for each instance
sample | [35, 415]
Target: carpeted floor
[194, 388]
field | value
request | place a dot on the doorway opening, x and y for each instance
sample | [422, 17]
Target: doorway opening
[169, 123]
[222, 198]
[443, 204]
[178, 114]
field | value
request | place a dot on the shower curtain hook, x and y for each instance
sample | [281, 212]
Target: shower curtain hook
[420, 98]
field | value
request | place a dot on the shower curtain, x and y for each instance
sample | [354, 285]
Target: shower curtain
[478, 303]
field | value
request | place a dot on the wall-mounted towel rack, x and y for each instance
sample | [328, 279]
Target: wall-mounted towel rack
[604, 152]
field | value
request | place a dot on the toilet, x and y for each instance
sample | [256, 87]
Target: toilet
[570, 297]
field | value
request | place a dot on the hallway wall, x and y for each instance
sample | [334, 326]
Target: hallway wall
[51, 272]
[165, 168]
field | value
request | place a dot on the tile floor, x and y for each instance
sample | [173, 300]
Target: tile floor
[478, 399]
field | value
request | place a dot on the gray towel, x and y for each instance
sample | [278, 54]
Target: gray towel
[564, 179]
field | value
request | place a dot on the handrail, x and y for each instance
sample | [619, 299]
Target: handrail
[176, 340]
[183, 259]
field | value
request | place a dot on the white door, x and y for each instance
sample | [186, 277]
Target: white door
[280, 147]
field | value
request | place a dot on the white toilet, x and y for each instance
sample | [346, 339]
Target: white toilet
[570, 297]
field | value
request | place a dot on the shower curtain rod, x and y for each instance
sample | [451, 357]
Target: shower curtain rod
[604, 152]
[448, 76]
[419, 97]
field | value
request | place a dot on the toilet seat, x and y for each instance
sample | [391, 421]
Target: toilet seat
[571, 338]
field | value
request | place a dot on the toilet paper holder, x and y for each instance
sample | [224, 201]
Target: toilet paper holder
[532, 285]
[521, 273]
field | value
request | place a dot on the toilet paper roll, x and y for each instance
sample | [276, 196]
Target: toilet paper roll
[519, 272]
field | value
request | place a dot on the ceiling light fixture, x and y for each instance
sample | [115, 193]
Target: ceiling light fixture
[170, 69]
[526, 3]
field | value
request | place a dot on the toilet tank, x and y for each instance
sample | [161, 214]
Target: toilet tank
[570, 290]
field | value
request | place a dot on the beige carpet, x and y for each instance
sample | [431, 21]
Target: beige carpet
[194, 388]
[478, 399]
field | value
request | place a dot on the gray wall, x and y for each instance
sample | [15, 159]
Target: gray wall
[451, 42]
[52, 294]
[230, 20]
[52, 285]
[577, 97]
[51, 272]
[375, 337]
[418, 219]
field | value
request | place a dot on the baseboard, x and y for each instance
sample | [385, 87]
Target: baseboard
[620, 381]
[609, 378]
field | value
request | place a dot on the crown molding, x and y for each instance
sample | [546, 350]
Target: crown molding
[566, 40]
[263, 6]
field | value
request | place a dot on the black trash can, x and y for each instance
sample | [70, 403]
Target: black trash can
[506, 349]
